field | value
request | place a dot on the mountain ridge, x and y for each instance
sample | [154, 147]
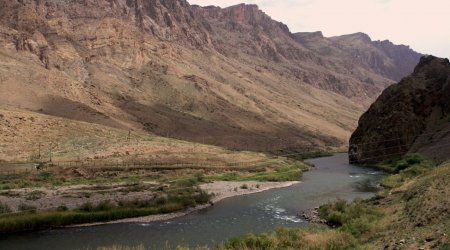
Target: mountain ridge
[231, 77]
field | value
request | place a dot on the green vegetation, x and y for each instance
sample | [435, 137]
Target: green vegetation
[170, 201]
[406, 168]
[26, 208]
[168, 189]
[352, 219]
[413, 215]
[291, 172]
[284, 238]
[355, 218]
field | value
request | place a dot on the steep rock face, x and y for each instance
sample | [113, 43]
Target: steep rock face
[232, 77]
[170, 20]
[246, 33]
[411, 116]
[402, 56]
[248, 29]
[383, 57]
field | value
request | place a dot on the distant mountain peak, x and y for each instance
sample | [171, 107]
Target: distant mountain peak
[309, 35]
[355, 36]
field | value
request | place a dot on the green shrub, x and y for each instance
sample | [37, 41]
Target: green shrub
[292, 238]
[26, 208]
[86, 207]
[45, 175]
[400, 165]
[408, 161]
[190, 182]
[35, 195]
[104, 206]
[410, 166]
[200, 177]
[355, 218]
[62, 208]
[251, 241]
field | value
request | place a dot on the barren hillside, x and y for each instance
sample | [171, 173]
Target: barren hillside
[231, 77]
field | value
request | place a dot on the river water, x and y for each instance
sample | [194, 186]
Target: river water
[332, 178]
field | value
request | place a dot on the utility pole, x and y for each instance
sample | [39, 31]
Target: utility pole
[51, 148]
[39, 154]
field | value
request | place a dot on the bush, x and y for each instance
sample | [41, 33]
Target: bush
[4, 208]
[251, 241]
[35, 195]
[290, 238]
[26, 208]
[86, 207]
[410, 166]
[104, 206]
[45, 175]
[409, 161]
[355, 218]
[62, 208]
[190, 182]
[400, 165]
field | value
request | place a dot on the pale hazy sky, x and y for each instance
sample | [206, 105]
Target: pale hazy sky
[422, 24]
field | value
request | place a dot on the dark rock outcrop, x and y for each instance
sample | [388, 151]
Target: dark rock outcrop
[411, 116]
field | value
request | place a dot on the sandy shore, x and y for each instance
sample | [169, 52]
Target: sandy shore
[220, 189]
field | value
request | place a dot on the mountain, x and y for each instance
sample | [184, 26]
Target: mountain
[382, 57]
[231, 77]
[412, 116]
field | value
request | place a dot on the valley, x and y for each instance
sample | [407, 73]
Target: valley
[138, 124]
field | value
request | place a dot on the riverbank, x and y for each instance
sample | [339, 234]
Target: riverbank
[410, 213]
[220, 190]
[331, 178]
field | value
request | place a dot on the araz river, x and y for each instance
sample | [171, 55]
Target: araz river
[332, 178]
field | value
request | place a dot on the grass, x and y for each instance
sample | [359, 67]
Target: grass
[46, 220]
[292, 172]
[356, 218]
[171, 201]
[417, 210]
[284, 238]
[406, 168]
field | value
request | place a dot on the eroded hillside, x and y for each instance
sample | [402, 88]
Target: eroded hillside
[231, 77]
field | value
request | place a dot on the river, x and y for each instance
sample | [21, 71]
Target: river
[332, 178]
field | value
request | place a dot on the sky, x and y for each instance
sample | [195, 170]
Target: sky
[424, 25]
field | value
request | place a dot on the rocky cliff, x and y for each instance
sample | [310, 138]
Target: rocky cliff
[411, 116]
[231, 77]
[383, 57]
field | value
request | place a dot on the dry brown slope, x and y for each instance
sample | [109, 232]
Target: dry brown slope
[161, 67]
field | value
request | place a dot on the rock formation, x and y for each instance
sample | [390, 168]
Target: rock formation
[411, 116]
[231, 77]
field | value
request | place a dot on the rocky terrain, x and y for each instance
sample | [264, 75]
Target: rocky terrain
[412, 116]
[231, 77]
